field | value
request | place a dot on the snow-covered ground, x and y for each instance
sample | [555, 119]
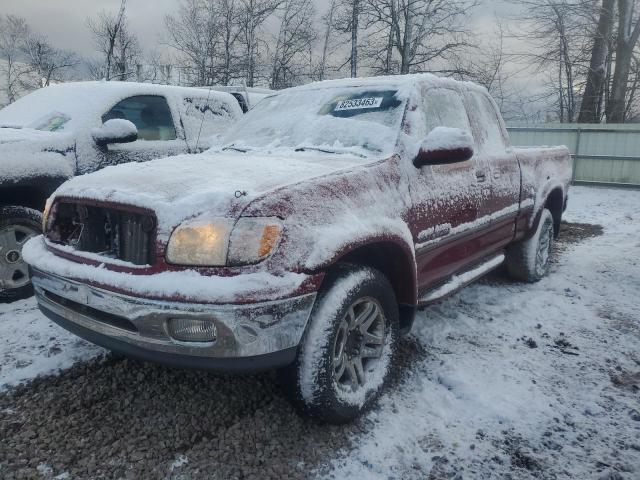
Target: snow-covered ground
[543, 378]
[518, 381]
[32, 345]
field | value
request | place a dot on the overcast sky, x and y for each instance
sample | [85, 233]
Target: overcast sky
[64, 21]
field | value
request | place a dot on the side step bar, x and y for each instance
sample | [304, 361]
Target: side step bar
[456, 282]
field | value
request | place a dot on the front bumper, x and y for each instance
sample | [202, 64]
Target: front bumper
[252, 337]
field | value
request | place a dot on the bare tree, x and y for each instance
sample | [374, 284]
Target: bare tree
[561, 33]
[347, 21]
[230, 31]
[292, 55]
[206, 34]
[192, 33]
[631, 110]
[597, 76]
[14, 32]
[421, 31]
[491, 66]
[119, 47]
[47, 63]
[627, 39]
[253, 14]
[328, 21]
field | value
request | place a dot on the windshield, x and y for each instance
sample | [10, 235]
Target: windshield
[364, 121]
[51, 123]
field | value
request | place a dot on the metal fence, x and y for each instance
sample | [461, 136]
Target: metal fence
[602, 154]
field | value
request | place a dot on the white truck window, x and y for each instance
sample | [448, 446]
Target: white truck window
[149, 113]
[206, 117]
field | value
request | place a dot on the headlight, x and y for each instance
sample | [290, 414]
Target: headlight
[202, 243]
[253, 240]
[45, 214]
[216, 243]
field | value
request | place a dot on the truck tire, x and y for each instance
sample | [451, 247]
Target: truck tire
[528, 260]
[349, 346]
[17, 225]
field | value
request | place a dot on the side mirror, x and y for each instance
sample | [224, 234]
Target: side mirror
[116, 130]
[445, 145]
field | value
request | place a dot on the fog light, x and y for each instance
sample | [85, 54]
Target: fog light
[192, 330]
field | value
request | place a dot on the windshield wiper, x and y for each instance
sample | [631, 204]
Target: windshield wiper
[231, 147]
[324, 150]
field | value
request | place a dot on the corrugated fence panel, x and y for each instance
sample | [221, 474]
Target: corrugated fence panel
[608, 154]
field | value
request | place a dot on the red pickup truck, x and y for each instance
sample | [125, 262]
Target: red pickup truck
[307, 239]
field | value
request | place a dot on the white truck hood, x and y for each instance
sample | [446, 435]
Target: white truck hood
[27, 154]
[216, 183]
[15, 135]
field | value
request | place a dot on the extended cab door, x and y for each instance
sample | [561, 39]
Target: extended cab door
[157, 133]
[446, 198]
[501, 199]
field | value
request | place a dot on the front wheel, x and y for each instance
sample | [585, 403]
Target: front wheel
[349, 346]
[17, 225]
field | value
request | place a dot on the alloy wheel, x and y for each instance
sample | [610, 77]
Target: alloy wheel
[359, 344]
[14, 272]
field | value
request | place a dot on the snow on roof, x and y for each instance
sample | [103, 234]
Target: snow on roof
[85, 102]
[393, 81]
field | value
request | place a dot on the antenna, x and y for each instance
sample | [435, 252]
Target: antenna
[204, 112]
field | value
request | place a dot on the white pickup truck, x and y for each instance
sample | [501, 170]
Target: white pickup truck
[61, 131]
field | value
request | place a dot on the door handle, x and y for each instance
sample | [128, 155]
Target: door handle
[481, 176]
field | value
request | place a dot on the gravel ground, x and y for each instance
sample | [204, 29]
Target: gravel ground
[116, 418]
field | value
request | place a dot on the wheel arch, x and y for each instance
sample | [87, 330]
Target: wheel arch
[397, 262]
[29, 194]
[555, 204]
[554, 201]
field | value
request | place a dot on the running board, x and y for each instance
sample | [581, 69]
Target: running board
[458, 281]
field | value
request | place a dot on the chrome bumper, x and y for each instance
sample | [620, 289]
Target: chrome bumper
[242, 331]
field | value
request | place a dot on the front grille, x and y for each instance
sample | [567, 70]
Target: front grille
[110, 232]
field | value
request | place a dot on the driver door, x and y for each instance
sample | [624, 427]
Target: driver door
[157, 133]
[446, 198]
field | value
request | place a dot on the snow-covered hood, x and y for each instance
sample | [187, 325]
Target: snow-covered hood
[214, 183]
[27, 154]
[15, 135]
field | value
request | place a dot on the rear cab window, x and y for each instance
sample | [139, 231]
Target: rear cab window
[204, 117]
[488, 132]
[149, 113]
[437, 107]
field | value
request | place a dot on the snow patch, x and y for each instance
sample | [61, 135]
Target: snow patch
[445, 138]
[31, 345]
[187, 284]
[482, 391]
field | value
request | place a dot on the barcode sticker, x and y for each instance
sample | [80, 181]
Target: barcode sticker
[359, 104]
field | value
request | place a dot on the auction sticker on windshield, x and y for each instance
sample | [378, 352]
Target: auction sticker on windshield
[359, 104]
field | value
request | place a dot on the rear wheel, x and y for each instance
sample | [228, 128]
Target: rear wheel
[17, 225]
[528, 260]
[349, 346]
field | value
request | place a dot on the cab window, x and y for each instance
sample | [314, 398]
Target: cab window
[488, 129]
[445, 108]
[149, 113]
